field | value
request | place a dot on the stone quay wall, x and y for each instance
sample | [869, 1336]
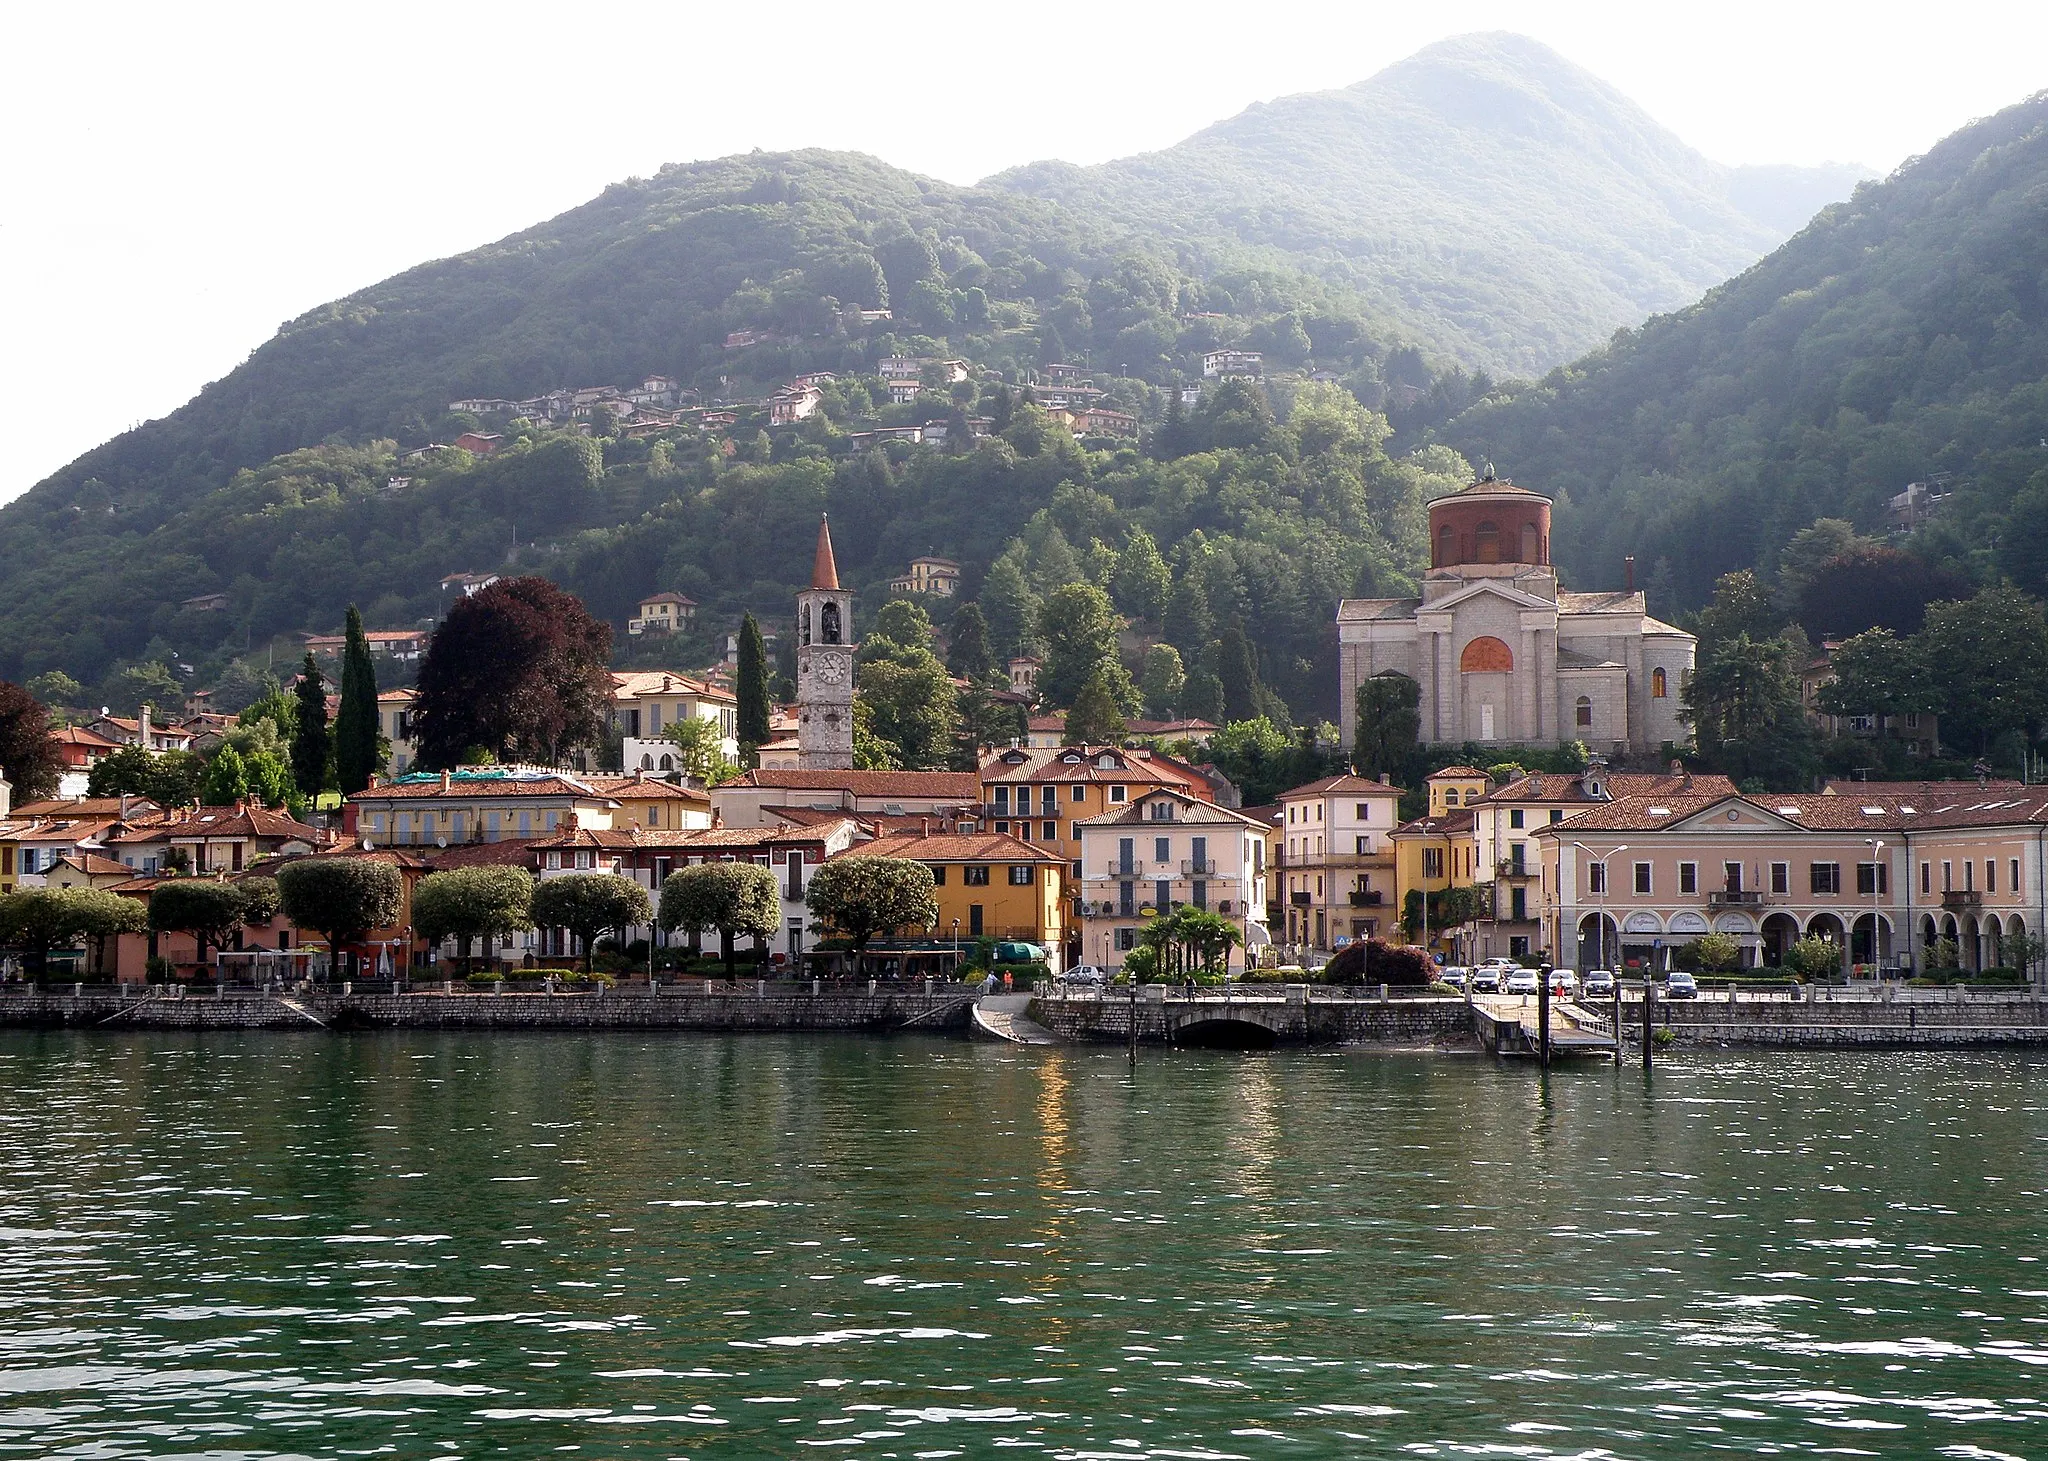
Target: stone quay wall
[1294, 1017]
[768, 1006]
[1931, 1019]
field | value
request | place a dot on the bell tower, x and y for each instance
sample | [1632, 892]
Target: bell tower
[824, 665]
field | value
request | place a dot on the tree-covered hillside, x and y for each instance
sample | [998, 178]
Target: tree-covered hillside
[1505, 206]
[1902, 334]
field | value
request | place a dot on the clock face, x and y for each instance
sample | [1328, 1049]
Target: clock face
[831, 670]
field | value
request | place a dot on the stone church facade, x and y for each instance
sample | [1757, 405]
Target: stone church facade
[1502, 654]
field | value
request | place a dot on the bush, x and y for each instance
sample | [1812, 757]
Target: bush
[486, 976]
[158, 967]
[1372, 962]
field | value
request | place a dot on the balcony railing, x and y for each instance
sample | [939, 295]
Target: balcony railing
[1734, 898]
[1194, 868]
[1301, 900]
[1509, 868]
[1367, 897]
[1962, 898]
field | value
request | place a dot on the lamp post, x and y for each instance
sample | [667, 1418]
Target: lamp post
[1600, 908]
[1876, 886]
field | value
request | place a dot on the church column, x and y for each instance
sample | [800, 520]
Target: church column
[1528, 686]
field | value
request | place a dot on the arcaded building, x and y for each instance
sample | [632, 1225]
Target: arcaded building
[1503, 655]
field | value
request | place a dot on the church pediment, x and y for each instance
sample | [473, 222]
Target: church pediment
[1507, 593]
[1734, 814]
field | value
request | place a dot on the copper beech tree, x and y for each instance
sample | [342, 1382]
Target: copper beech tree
[517, 670]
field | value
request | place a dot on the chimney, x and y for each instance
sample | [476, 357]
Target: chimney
[717, 819]
[124, 806]
[1628, 574]
[142, 727]
[1386, 778]
[447, 780]
[924, 826]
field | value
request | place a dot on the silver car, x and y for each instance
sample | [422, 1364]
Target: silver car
[1599, 984]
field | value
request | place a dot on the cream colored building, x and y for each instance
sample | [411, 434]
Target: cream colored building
[1162, 850]
[1502, 654]
[1337, 879]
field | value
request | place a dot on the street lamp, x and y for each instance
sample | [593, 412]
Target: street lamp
[1876, 883]
[1600, 909]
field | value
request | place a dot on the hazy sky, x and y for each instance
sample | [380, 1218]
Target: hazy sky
[179, 180]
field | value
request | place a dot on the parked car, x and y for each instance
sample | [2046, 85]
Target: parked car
[1599, 984]
[1486, 979]
[1454, 975]
[1089, 974]
[1564, 982]
[1524, 981]
[1680, 985]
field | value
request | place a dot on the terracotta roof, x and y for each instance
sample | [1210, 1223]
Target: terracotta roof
[1488, 487]
[1547, 786]
[824, 571]
[1264, 814]
[603, 837]
[1193, 810]
[1450, 824]
[89, 806]
[962, 786]
[1347, 783]
[1077, 763]
[243, 821]
[647, 788]
[631, 684]
[95, 866]
[1467, 772]
[507, 852]
[78, 735]
[953, 847]
[1874, 812]
[687, 839]
[1951, 790]
[395, 696]
[1168, 727]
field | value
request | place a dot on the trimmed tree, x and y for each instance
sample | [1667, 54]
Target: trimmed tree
[1814, 958]
[312, 749]
[36, 920]
[752, 689]
[210, 911]
[340, 898]
[589, 905]
[733, 897]
[470, 903]
[357, 753]
[862, 895]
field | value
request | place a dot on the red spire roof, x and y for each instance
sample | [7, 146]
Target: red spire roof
[824, 571]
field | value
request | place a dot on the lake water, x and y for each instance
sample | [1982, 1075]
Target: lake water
[426, 1245]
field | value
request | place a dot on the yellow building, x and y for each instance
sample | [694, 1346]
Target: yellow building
[987, 885]
[649, 803]
[1041, 796]
[1440, 849]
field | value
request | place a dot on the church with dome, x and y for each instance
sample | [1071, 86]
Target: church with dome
[1502, 654]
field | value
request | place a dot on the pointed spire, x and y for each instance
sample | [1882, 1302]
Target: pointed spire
[824, 571]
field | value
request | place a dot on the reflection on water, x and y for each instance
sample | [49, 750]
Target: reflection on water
[417, 1245]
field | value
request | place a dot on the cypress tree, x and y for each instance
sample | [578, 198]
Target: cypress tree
[355, 724]
[311, 748]
[967, 650]
[752, 687]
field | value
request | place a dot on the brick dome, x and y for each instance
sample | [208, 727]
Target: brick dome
[1490, 522]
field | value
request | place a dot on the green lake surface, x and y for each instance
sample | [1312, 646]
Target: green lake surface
[626, 1245]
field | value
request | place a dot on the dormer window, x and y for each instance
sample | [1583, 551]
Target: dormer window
[1107, 763]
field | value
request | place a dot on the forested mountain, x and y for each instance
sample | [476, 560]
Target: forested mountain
[1483, 202]
[1500, 203]
[1901, 335]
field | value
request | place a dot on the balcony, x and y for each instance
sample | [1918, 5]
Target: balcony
[1366, 897]
[1197, 868]
[1301, 900]
[1962, 898]
[1509, 868]
[1734, 898]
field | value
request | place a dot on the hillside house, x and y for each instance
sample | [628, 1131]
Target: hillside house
[1223, 364]
[646, 703]
[939, 577]
[663, 613]
[479, 443]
